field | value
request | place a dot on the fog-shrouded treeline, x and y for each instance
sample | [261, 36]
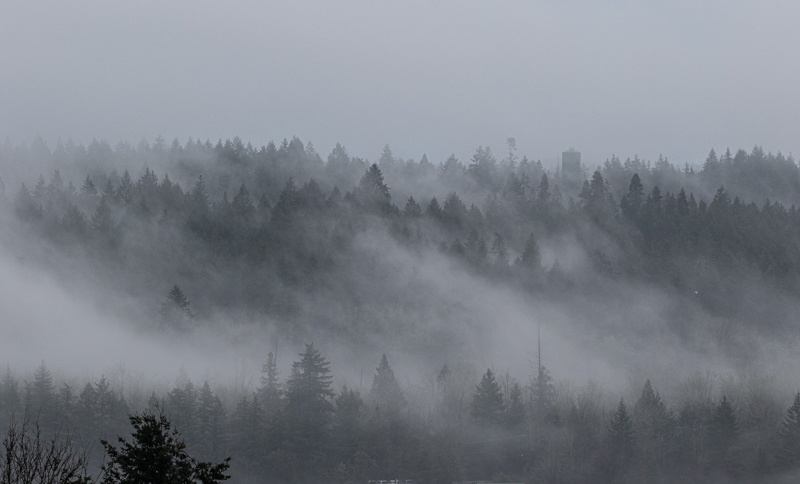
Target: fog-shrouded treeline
[279, 232]
[458, 424]
[646, 271]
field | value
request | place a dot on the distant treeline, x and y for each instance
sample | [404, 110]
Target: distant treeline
[453, 427]
[289, 233]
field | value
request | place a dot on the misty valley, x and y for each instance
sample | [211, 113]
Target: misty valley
[334, 319]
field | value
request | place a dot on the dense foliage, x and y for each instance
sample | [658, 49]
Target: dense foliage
[319, 249]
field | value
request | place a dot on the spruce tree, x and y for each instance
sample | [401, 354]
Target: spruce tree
[620, 436]
[788, 450]
[487, 402]
[385, 392]
[156, 454]
[308, 402]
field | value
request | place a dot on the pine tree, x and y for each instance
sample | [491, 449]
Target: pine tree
[543, 397]
[454, 212]
[41, 398]
[175, 313]
[102, 221]
[270, 392]
[156, 454]
[371, 192]
[620, 436]
[723, 432]
[514, 408]
[9, 396]
[531, 258]
[124, 190]
[631, 203]
[412, 209]
[88, 187]
[242, 204]
[499, 251]
[198, 200]
[385, 392]
[487, 402]
[308, 401]
[210, 421]
[788, 451]
[433, 210]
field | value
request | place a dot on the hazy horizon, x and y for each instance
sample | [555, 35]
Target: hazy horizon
[431, 77]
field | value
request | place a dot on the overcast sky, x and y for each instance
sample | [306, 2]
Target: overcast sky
[626, 77]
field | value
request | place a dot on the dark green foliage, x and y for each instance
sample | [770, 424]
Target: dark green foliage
[156, 454]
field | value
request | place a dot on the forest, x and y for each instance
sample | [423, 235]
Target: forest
[681, 281]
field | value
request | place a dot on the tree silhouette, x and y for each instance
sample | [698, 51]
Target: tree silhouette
[156, 454]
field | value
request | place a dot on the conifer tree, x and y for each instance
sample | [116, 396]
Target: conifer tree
[88, 187]
[433, 209]
[371, 192]
[531, 258]
[174, 312]
[156, 454]
[412, 209]
[499, 251]
[788, 451]
[621, 443]
[102, 221]
[386, 392]
[723, 432]
[270, 392]
[487, 402]
[308, 401]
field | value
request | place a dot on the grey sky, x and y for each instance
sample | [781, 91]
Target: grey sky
[624, 77]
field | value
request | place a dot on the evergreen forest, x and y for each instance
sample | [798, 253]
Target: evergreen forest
[509, 325]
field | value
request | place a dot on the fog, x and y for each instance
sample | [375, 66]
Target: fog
[424, 76]
[282, 215]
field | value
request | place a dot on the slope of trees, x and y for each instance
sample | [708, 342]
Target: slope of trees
[318, 246]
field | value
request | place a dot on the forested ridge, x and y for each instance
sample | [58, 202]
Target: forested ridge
[334, 250]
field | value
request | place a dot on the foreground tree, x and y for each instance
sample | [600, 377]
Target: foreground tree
[156, 455]
[29, 457]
